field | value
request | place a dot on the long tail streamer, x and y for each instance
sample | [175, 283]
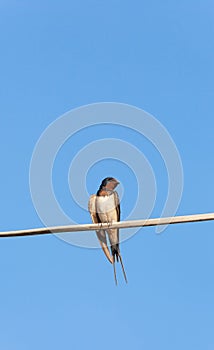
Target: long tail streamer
[124, 272]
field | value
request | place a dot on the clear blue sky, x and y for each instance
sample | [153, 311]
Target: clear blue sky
[59, 55]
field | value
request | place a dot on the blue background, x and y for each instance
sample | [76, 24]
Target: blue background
[59, 55]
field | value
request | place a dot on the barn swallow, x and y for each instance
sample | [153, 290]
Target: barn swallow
[104, 207]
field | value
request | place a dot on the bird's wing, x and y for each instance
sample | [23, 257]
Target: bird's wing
[113, 234]
[116, 247]
[92, 209]
[117, 205]
[101, 235]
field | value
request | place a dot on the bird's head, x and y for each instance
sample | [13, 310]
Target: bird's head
[109, 183]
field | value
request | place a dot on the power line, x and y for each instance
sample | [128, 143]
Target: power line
[121, 225]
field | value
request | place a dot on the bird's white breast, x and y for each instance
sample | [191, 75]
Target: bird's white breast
[106, 208]
[105, 203]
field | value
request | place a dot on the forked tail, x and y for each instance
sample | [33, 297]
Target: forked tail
[117, 254]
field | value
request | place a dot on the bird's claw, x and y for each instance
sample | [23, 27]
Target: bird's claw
[110, 223]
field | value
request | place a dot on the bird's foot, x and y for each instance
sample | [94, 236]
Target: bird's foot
[110, 223]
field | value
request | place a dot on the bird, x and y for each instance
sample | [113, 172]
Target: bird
[104, 207]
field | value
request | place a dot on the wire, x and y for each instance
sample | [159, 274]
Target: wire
[121, 225]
